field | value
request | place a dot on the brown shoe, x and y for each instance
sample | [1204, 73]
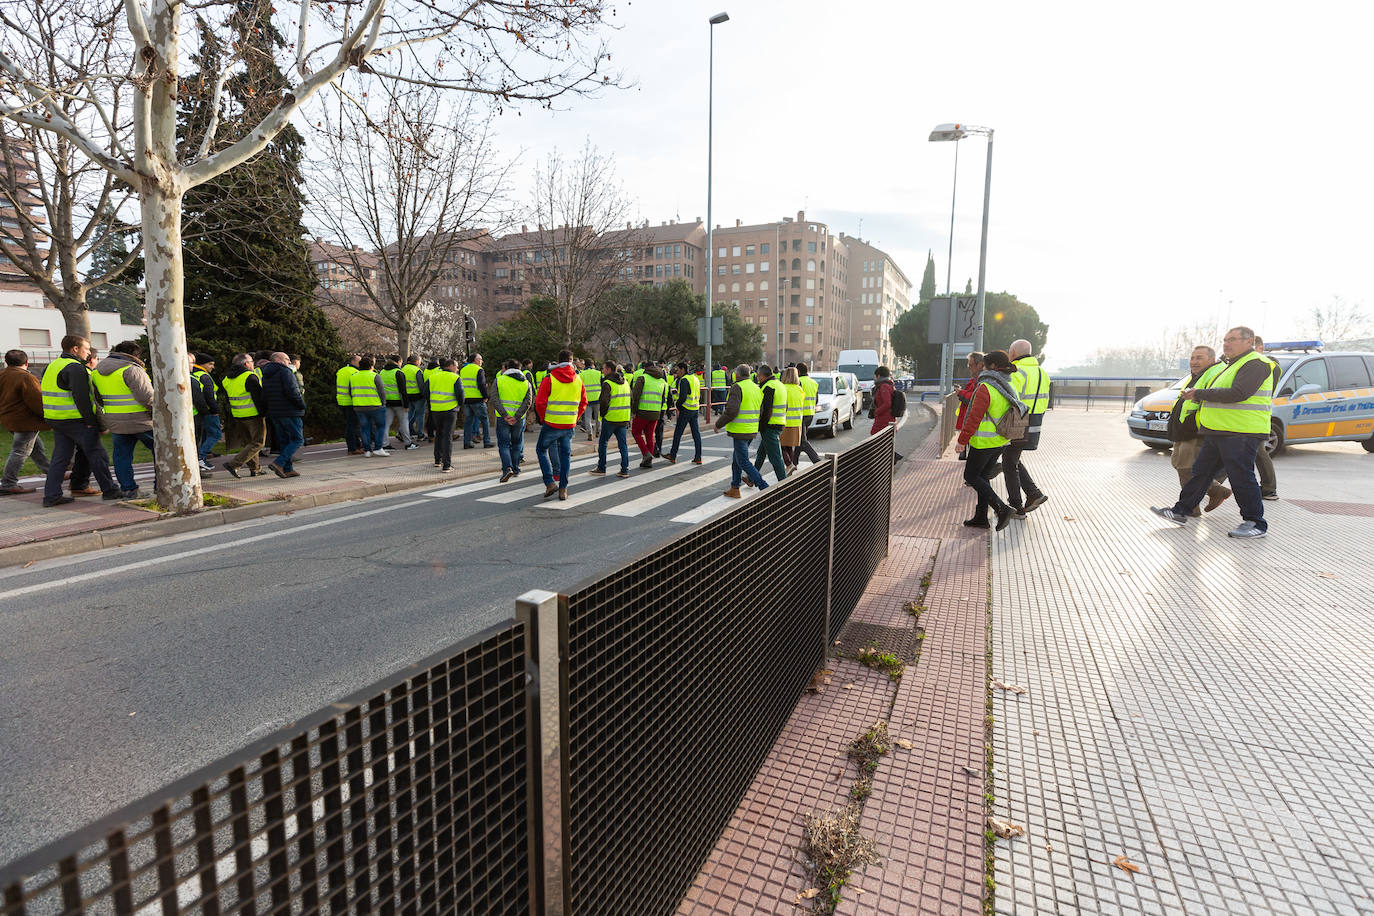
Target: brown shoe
[563, 493]
[1213, 501]
[550, 490]
[733, 493]
[671, 459]
[292, 474]
[86, 491]
[16, 490]
[276, 469]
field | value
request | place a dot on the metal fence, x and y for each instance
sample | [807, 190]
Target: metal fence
[582, 759]
[411, 796]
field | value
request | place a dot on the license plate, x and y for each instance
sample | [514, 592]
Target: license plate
[1158, 426]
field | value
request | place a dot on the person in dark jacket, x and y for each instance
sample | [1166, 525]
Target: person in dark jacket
[21, 412]
[881, 411]
[285, 411]
[611, 373]
[247, 433]
[647, 411]
[1183, 433]
[740, 465]
[205, 397]
[73, 383]
[686, 419]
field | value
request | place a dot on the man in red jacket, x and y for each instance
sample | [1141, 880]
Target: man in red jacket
[560, 401]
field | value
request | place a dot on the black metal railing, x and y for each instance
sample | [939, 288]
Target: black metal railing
[411, 796]
[863, 511]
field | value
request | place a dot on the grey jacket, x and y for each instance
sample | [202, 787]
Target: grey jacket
[142, 387]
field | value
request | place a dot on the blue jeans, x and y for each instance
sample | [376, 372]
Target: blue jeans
[561, 441]
[686, 418]
[417, 418]
[352, 433]
[372, 423]
[1237, 455]
[741, 465]
[123, 458]
[607, 431]
[214, 431]
[510, 443]
[476, 417]
[290, 437]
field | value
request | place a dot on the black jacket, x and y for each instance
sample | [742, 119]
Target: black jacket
[76, 378]
[280, 391]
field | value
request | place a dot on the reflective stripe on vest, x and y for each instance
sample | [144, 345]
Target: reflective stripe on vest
[618, 410]
[116, 397]
[1204, 380]
[986, 434]
[809, 387]
[412, 377]
[240, 401]
[565, 398]
[1032, 384]
[777, 414]
[750, 400]
[197, 377]
[591, 380]
[343, 394]
[795, 399]
[441, 390]
[58, 403]
[718, 379]
[469, 376]
[651, 393]
[390, 385]
[511, 391]
[1250, 416]
[363, 387]
[693, 401]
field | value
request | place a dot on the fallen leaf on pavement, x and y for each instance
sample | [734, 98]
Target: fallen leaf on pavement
[1049, 848]
[1010, 688]
[1121, 863]
[28, 564]
[905, 744]
[1005, 829]
[807, 894]
[1070, 518]
[819, 680]
[968, 771]
[132, 714]
[1324, 575]
[849, 686]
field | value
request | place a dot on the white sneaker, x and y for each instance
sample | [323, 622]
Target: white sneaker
[1248, 529]
[383, 452]
[411, 446]
[367, 454]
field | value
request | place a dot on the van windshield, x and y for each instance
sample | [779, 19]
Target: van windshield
[823, 385]
[862, 372]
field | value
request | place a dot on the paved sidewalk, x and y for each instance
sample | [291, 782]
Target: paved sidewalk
[328, 474]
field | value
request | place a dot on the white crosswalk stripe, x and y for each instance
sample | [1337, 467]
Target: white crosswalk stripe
[464, 488]
[615, 486]
[662, 497]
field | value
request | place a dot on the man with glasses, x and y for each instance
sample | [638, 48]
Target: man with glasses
[1233, 420]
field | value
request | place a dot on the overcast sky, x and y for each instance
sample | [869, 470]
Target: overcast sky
[1155, 165]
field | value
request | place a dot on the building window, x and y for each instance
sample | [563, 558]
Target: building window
[749, 286]
[795, 301]
[763, 286]
[749, 268]
[734, 269]
[810, 247]
[792, 336]
[810, 282]
[748, 251]
[765, 337]
[794, 318]
[748, 319]
[796, 263]
[810, 263]
[796, 244]
[763, 248]
[677, 270]
[807, 338]
[677, 251]
[35, 337]
[763, 266]
[720, 252]
[735, 303]
[720, 271]
[734, 252]
[810, 302]
[734, 287]
[810, 319]
[720, 288]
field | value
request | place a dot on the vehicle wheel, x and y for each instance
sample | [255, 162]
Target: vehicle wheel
[834, 422]
[1157, 448]
[849, 424]
[1274, 444]
[1368, 444]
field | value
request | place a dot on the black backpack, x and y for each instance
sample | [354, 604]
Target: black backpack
[898, 407]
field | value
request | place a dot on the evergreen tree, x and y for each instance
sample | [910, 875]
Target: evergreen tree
[122, 295]
[249, 283]
[928, 278]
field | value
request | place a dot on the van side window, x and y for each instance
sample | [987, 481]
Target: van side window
[1312, 372]
[1348, 372]
[1369, 364]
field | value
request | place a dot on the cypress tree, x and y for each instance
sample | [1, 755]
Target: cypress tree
[928, 279]
[249, 280]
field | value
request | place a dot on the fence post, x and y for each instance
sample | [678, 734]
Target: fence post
[538, 611]
[830, 556]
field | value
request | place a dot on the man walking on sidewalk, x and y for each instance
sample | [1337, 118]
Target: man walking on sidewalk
[243, 388]
[646, 403]
[209, 427]
[69, 409]
[126, 395]
[772, 421]
[1233, 418]
[444, 391]
[809, 388]
[560, 401]
[615, 417]
[343, 396]
[1203, 367]
[514, 398]
[21, 412]
[591, 381]
[739, 417]
[415, 403]
[285, 411]
[1032, 385]
[688, 407]
[475, 402]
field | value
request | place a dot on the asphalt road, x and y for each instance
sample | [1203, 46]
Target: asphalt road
[122, 670]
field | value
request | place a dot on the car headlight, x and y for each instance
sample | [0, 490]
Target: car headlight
[1138, 413]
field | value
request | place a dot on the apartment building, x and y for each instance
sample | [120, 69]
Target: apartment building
[790, 278]
[879, 293]
[19, 189]
[339, 272]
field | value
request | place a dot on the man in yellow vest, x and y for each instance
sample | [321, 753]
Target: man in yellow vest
[344, 398]
[740, 420]
[1233, 418]
[720, 387]
[1202, 368]
[688, 406]
[615, 417]
[648, 397]
[560, 401]
[125, 393]
[1264, 462]
[70, 410]
[475, 424]
[415, 404]
[810, 390]
[1032, 385]
[591, 380]
[443, 389]
[772, 421]
[992, 398]
[248, 408]
[210, 428]
[514, 398]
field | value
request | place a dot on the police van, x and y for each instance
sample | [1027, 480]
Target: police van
[1320, 397]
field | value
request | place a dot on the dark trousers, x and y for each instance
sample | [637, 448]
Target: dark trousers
[609, 429]
[67, 437]
[687, 419]
[1016, 477]
[806, 442]
[976, 468]
[1237, 455]
[290, 437]
[443, 435]
[770, 447]
[351, 435]
[1264, 464]
[658, 434]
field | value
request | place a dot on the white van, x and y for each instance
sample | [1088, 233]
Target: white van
[861, 364]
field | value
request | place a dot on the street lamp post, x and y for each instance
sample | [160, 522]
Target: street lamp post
[957, 132]
[715, 20]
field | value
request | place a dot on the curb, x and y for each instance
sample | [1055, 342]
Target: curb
[134, 532]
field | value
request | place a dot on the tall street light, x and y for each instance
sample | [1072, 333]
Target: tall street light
[957, 132]
[715, 20]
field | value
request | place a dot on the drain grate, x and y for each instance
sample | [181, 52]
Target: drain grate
[900, 641]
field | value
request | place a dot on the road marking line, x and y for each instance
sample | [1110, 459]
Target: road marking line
[662, 497]
[460, 489]
[616, 486]
[714, 507]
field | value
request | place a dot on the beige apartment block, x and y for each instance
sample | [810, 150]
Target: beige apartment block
[790, 278]
[879, 293]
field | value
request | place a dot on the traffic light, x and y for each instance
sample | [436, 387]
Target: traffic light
[469, 330]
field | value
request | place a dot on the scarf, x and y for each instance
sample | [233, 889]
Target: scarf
[999, 381]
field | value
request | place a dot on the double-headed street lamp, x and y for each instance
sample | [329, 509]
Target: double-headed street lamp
[715, 20]
[957, 132]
